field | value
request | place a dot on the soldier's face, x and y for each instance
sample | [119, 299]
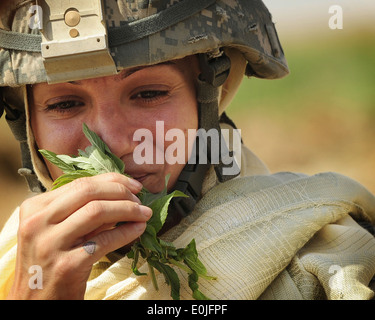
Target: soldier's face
[120, 108]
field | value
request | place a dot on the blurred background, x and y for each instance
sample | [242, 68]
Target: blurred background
[319, 118]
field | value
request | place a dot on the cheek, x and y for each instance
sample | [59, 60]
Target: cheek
[178, 128]
[174, 172]
[60, 140]
[184, 111]
[182, 118]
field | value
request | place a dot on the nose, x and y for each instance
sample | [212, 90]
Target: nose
[110, 122]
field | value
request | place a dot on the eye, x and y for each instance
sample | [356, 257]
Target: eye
[150, 95]
[64, 106]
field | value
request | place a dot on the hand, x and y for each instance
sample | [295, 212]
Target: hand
[55, 226]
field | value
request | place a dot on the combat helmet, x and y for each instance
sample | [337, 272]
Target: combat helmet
[58, 41]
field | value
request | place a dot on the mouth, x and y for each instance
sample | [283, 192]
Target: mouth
[139, 175]
[150, 180]
[140, 178]
[151, 177]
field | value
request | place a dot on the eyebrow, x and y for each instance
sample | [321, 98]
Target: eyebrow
[123, 74]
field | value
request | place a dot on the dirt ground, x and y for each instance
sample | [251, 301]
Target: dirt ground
[315, 141]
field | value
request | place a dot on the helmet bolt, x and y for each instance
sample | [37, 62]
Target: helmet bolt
[72, 17]
[74, 33]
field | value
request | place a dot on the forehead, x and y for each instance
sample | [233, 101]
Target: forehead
[127, 72]
[187, 68]
[123, 74]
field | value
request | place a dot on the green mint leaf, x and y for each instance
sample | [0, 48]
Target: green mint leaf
[79, 162]
[119, 163]
[169, 249]
[99, 144]
[147, 197]
[149, 240]
[94, 139]
[53, 158]
[102, 163]
[135, 256]
[160, 209]
[69, 177]
[86, 153]
[190, 256]
[170, 276]
[193, 284]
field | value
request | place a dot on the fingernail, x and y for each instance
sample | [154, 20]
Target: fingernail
[146, 211]
[136, 199]
[135, 183]
[139, 226]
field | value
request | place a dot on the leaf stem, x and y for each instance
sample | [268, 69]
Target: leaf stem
[180, 265]
[153, 277]
[188, 270]
[152, 272]
[207, 277]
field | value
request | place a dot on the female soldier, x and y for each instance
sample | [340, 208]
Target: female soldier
[179, 63]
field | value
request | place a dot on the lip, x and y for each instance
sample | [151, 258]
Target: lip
[141, 178]
[149, 177]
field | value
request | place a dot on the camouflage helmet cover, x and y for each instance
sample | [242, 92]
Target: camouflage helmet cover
[144, 32]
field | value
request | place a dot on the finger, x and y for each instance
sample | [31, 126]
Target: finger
[100, 214]
[76, 194]
[107, 241]
[134, 185]
[59, 203]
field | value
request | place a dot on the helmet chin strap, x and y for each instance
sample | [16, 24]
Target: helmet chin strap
[16, 120]
[214, 72]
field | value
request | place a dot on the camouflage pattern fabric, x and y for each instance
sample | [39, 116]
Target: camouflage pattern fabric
[242, 24]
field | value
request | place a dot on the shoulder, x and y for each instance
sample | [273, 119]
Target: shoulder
[284, 190]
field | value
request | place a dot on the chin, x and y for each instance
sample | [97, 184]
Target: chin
[155, 183]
